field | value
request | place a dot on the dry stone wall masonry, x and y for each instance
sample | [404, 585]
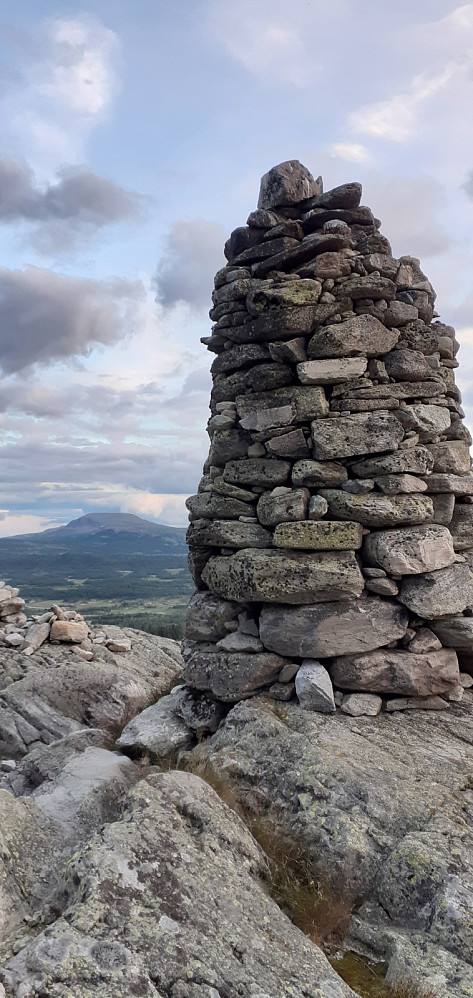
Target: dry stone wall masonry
[331, 537]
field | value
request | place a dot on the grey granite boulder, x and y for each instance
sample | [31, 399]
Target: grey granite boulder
[330, 371]
[232, 676]
[362, 433]
[159, 731]
[329, 629]
[376, 510]
[286, 184]
[451, 457]
[410, 550]
[273, 509]
[461, 526]
[316, 474]
[207, 616]
[361, 704]
[257, 471]
[436, 594]
[319, 535]
[284, 576]
[362, 334]
[396, 671]
[454, 632]
[426, 420]
[415, 460]
[229, 534]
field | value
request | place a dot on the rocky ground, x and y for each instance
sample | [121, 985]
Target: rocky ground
[121, 875]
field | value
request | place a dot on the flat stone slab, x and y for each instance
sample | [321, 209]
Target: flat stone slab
[378, 511]
[436, 594]
[284, 576]
[316, 474]
[396, 671]
[329, 629]
[210, 506]
[410, 550]
[363, 334]
[232, 676]
[257, 471]
[309, 402]
[361, 704]
[414, 460]
[362, 433]
[321, 535]
[264, 419]
[230, 534]
[394, 485]
[331, 371]
[459, 485]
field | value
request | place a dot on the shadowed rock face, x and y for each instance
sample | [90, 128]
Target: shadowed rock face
[339, 464]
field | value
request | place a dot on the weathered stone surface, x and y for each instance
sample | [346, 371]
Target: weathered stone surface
[309, 402]
[256, 379]
[284, 577]
[454, 632]
[383, 587]
[378, 511]
[461, 527]
[407, 365]
[331, 371]
[230, 534]
[397, 671]
[69, 631]
[362, 433]
[435, 594]
[458, 485]
[399, 313]
[282, 509]
[239, 641]
[128, 929]
[318, 507]
[232, 676]
[424, 641]
[257, 471]
[372, 286]
[393, 485]
[208, 505]
[207, 616]
[363, 334]
[314, 689]
[227, 445]
[318, 473]
[404, 777]
[320, 535]
[292, 445]
[415, 460]
[410, 550]
[265, 419]
[444, 505]
[361, 704]
[241, 355]
[426, 420]
[286, 184]
[329, 629]
[307, 249]
[451, 457]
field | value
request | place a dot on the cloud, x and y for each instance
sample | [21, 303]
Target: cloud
[62, 85]
[409, 208]
[192, 253]
[46, 317]
[170, 509]
[73, 208]
[396, 117]
[468, 185]
[351, 151]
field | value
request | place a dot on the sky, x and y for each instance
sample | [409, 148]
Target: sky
[132, 140]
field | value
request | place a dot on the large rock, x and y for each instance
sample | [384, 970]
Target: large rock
[426, 420]
[407, 365]
[331, 371]
[69, 631]
[159, 731]
[362, 433]
[451, 457]
[459, 485]
[309, 402]
[170, 900]
[257, 471]
[315, 474]
[207, 616]
[410, 550]
[378, 806]
[286, 184]
[284, 576]
[234, 675]
[397, 671]
[329, 629]
[213, 506]
[376, 510]
[363, 334]
[323, 535]
[454, 632]
[436, 594]
[414, 460]
[230, 534]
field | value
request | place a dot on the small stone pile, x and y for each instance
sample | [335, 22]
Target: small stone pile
[331, 538]
[57, 625]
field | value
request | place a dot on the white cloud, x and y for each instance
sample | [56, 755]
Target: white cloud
[12, 524]
[353, 152]
[170, 509]
[79, 74]
[396, 117]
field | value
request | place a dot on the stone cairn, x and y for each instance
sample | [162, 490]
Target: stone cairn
[332, 534]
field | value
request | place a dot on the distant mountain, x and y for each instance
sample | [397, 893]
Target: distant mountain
[118, 532]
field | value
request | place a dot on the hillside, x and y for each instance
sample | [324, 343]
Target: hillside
[122, 569]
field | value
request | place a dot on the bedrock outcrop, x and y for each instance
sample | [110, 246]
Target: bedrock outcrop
[333, 518]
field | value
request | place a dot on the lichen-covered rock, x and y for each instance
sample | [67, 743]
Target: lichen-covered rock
[376, 510]
[318, 535]
[232, 676]
[287, 183]
[284, 576]
[410, 550]
[273, 509]
[363, 334]
[363, 433]
[329, 629]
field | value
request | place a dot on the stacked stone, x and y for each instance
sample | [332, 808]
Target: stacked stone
[332, 534]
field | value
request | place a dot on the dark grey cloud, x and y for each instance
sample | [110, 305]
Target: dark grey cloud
[78, 205]
[45, 317]
[193, 252]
